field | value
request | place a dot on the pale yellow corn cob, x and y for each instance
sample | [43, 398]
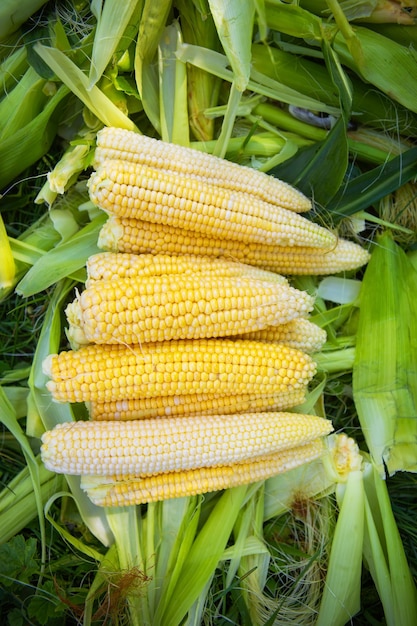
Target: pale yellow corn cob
[161, 308]
[222, 366]
[118, 265]
[109, 491]
[299, 333]
[153, 446]
[141, 192]
[190, 405]
[136, 236]
[119, 144]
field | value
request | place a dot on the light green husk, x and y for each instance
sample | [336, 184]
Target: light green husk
[385, 367]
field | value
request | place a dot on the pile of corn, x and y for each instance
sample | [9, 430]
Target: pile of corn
[187, 345]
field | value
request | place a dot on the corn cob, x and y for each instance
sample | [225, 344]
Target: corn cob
[299, 333]
[109, 491]
[137, 191]
[153, 446]
[117, 265]
[118, 144]
[220, 366]
[190, 405]
[136, 236]
[161, 308]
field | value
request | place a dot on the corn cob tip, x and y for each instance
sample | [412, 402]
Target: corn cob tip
[75, 332]
[345, 456]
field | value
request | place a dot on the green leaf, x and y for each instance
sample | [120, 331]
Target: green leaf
[44, 605]
[15, 618]
[320, 168]
[63, 260]
[234, 23]
[112, 23]
[18, 560]
[363, 191]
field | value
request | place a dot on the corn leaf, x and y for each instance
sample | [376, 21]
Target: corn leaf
[234, 24]
[75, 79]
[384, 553]
[216, 63]
[380, 61]
[13, 15]
[152, 24]
[30, 142]
[198, 28]
[64, 260]
[173, 89]
[51, 413]
[385, 367]
[366, 189]
[112, 22]
[341, 595]
[9, 419]
[305, 169]
[204, 555]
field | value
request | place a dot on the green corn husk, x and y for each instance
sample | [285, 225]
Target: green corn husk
[152, 24]
[30, 142]
[311, 78]
[203, 88]
[12, 68]
[8, 267]
[385, 367]
[234, 23]
[13, 15]
[113, 19]
[18, 502]
[376, 59]
[369, 11]
[172, 79]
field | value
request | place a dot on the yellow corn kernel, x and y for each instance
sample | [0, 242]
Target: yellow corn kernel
[222, 366]
[153, 446]
[109, 491]
[299, 333]
[118, 265]
[191, 405]
[136, 236]
[141, 192]
[116, 143]
[161, 308]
